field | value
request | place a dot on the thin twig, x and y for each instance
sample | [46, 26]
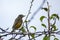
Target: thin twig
[36, 36]
[27, 17]
[29, 10]
[48, 19]
[3, 30]
[27, 30]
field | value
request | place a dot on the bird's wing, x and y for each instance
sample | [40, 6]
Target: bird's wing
[17, 23]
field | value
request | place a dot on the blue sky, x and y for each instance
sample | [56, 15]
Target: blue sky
[10, 9]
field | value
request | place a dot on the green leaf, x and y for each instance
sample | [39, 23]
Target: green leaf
[33, 27]
[46, 9]
[43, 25]
[32, 35]
[23, 30]
[54, 27]
[46, 37]
[41, 18]
[56, 39]
[53, 16]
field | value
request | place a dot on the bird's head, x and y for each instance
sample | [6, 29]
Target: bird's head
[21, 16]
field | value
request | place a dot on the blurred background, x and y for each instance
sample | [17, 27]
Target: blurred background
[10, 9]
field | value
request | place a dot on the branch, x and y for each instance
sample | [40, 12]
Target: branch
[27, 30]
[48, 19]
[36, 36]
[2, 30]
[27, 17]
[29, 10]
[18, 33]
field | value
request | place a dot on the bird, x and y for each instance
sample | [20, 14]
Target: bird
[17, 23]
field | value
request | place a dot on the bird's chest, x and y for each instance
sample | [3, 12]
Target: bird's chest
[19, 23]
